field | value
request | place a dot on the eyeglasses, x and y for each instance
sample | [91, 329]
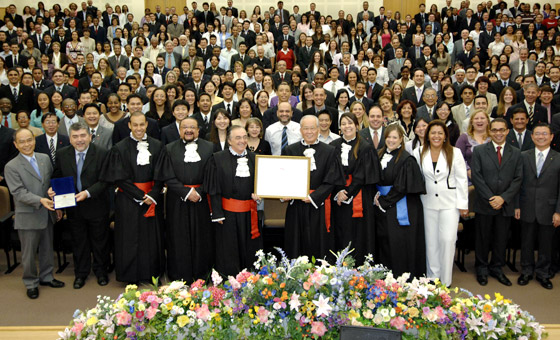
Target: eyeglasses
[539, 134]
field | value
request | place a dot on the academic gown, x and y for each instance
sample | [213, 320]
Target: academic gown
[306, 230]
[401, 248]
[235, 247]
[365, 172]
[138, 239]
[188, 231]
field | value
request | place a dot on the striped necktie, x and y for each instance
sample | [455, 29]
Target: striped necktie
[284, 137]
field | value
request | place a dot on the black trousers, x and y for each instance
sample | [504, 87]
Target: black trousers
[90, 236]
[544, 234]
[491, 235]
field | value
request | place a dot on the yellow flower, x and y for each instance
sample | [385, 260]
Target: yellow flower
[137, 294]
[487, 297]
[141, 307]
[353, 314]
[91, 321]
[413, 312]
[182, 320]
[131, 287]
[499, 297]
[169, 305]
[487, 308]
[456, 309]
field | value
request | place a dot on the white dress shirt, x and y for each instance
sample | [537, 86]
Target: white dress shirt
[273, 135]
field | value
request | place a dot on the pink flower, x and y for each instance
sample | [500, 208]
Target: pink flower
[263, 314]
[151, 312]
[139, 315]
[398, 323]
[243, 276]
[486, 317]
[124, 318]
[318, 328]
[203, 313]
[306, 285]
[77, 328]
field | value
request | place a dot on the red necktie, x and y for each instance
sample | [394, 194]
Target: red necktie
[281, 77]
[6, 122]
[499, 148]
[346, 72]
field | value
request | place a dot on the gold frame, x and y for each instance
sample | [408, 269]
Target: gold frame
[287, 158]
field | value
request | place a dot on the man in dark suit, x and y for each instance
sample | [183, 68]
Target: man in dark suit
[467, 55]
[204, 115]
[21, 96]
[374, 133]
[304, 53]
[59, 85]
[281, 75]
[7, 147]
[468, 22]
[228, 104]
[28, 177]
[249, 36]
[504, 73]
[496, 172]
[537, 113]
[16, 59]
[282, 13]
[89, 219]
[285, 36]
[206, 16]
[360, 96]
[416, 92]
[541, 166]
[98, 33]
[317, 14]
[170, 133]
[204, 51]
[241, 56]
[121, 130]
[39, 83]
[520, 136]
[426, 55]
[51, 140]
[319, 105]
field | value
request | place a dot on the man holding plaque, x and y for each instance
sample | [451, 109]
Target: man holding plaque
[229, 180]
[28, 176]
[89, 219]
[308, 222]
[189, 233]
[130, 166]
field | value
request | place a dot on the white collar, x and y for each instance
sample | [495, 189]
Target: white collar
[305, 144]
[544, 152]
[243, 154]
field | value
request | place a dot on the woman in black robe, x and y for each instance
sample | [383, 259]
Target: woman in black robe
[138, 240]
[400, 235]
[352, 207]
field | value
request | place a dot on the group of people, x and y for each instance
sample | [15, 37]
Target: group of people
[409, 123]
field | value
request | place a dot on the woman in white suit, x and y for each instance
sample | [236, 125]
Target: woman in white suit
[445, 175]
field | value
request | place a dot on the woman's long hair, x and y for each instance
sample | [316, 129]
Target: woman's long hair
[354, 120]
[447, 148]
[390, 128]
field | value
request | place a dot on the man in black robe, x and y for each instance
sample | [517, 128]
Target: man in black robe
[230, 181]
[130, 166]
[189, 233]
[308, 229]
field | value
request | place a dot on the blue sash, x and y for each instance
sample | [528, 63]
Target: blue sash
[402, 208]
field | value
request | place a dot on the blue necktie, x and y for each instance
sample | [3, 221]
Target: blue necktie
[79, 174]
[540, 163]
[284, 137]
[35, 166]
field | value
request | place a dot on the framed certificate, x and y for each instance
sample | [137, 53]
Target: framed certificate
[65, 192]
[282, 176]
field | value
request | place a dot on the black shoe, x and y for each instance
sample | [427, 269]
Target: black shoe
[523, 279]
[102, 280]
[502, 279]
[33, 293]
[482, 279]
[545, 283]
[53, 284]
[79, 282]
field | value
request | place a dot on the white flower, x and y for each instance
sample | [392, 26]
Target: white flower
[323, 307]
[294, 301]
[216, 278]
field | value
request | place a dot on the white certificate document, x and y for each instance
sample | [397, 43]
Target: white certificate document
[64, 201]
[282, 176]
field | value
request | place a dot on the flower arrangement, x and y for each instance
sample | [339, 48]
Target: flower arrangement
[299, 298]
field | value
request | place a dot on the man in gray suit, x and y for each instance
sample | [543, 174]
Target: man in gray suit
[69, 108]
[523, 64]
[539, 206]
[100, 136]
[459, 45]
[394, 65]
[28, 177]
[175, 29]
[118, 60]
[171, 58]
[360, 15]
[496, 173]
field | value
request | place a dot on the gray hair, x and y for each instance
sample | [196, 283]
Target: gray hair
[79, 126]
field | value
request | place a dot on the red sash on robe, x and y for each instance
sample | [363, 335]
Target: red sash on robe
[239, 206]
[146, 187]
[198, 186]
[357, 208]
